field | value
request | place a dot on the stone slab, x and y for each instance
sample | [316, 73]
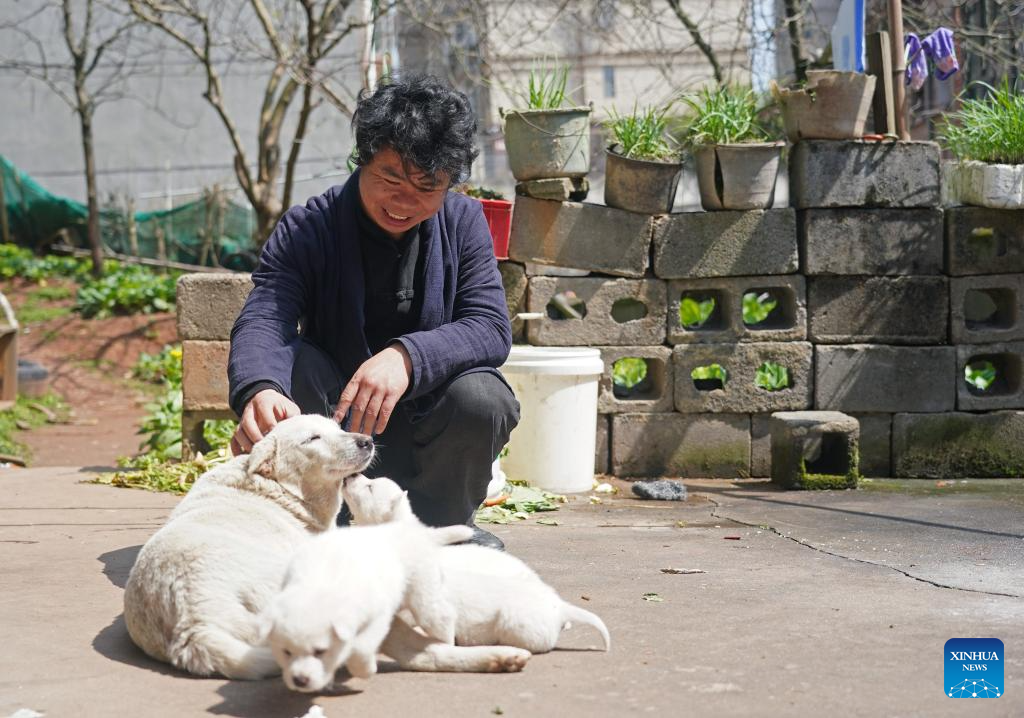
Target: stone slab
[209, 303]
[653, 394]
[787, 321]
[984, 241]
[582, 236]
[741, 361]
[725, 244]
[814, 450]
[1006, 392]
[204, 378]
[987, 308]
[655, 445]
[854, 173]
[604, 299]
[957, 445]
[875, 444]
[515, 283]
[559, 189]
[872, 378]
[879, 310]
[871, 241]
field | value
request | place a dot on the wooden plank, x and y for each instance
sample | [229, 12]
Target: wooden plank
[879, 55]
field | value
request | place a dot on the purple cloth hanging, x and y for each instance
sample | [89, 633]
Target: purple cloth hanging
[917, 63]
[939, 47]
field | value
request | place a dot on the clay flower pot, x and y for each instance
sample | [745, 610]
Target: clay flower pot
[833, 106]
[738, 176]
[644, 186]
[543, 144]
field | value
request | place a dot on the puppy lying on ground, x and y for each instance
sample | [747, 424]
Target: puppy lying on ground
[198, 586]
[497, 598]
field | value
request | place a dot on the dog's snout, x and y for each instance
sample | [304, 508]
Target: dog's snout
[363, 441]
[300, 681]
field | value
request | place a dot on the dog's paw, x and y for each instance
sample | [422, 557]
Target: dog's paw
[509, 660]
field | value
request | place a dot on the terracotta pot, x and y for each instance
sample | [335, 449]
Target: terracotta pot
[833, 106]
[543, 144]
[644, 186]
[740, 176]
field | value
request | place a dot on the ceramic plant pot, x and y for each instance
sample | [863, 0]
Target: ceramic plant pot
[644, 186]
[543, 144]
[833, 106]
[740, 176]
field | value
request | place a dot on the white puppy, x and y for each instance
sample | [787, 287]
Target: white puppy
[497, 598]
[342, 590]
[199, 585]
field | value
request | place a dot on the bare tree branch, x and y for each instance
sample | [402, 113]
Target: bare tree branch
[698, 39]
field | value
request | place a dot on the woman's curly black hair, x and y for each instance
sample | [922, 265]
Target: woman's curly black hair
[430, 126]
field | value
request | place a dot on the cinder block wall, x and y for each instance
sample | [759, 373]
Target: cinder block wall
[882, 300]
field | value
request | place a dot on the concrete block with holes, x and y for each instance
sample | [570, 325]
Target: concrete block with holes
[956, 444]
[873, 378]
[602, 449]
[760, 446]
[725, 244]
[786, 321]
[514, 281]
[208, 304]
[652, 393]
[744, 388]
[871, 241]
[980, 240]
[875, 444]
[882, 310]
[694, 445]
[987, 309]
[855, 173]
[616, 312]
[1006, 390]
[583, 236]
[815, 450]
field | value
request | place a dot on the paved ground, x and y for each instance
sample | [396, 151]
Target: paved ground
[834, 604]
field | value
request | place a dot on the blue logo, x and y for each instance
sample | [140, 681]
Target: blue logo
[974, 668]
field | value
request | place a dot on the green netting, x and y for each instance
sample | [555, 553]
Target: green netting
[212, 231]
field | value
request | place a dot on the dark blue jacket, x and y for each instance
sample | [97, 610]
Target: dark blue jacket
[311, 267]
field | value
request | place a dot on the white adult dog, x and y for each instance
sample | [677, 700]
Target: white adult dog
[200, 584]
[497, 598]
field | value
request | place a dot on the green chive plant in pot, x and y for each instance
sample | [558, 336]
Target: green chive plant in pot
[833, 105]
[737, 162]
[642, 167]
[987, 137]
[549, 137]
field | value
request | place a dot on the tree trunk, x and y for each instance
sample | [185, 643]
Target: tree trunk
[794, 25]
[267, 214]
[93, 223]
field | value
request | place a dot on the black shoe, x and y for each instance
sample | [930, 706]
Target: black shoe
[485, 538]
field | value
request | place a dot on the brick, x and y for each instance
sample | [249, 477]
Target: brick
[560, 189]
[695, 445]
[725, 244]
[1006, 392]
[986, 309]
[984, 241]
[872, 378]
[740, 361]
[872, 241]
[204, 379]
[603, 449]
[875, 444]
[760, 446]
[605, 299]
[787, 321]
[209, 303]
[815, 450]
[956, 445]
[584, 236]
[513, 280]
[653, 394]
[882, 310]
[853, 173]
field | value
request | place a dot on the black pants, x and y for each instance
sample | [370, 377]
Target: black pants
[441, 454]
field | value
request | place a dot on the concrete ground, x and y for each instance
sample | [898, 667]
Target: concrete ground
[809, 604]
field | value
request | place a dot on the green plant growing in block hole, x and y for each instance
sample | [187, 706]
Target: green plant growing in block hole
[693, 313]
[757, 307]
[772, 377]
[980, 374]
[712, 376]
[628, 372]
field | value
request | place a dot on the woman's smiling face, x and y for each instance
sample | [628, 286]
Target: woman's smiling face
[396, 200]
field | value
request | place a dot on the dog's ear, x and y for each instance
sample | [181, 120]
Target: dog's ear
[263, 459]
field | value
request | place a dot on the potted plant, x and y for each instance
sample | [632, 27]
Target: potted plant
[642, 168]
[497, 212]
[833, 105]
[549, 137]
[737, 163]
[987, 138]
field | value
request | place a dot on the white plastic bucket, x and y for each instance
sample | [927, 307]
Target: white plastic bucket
[553, 446]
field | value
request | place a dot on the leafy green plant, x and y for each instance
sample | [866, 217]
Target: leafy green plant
[26, 414]
[546, 86]
[129, 289]
[18, 261]
[694, 313]
[628, 372]
[723, 115]
[980, 374]
[520, 501]
[642, 134]
[711, 372]
[757, 307]
[990, 129]
[479, 192]
[161, 368]
[771, 377]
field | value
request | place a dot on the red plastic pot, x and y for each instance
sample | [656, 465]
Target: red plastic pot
[498, 213]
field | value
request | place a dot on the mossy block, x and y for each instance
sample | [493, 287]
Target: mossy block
[815, 450]
[958, 444]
